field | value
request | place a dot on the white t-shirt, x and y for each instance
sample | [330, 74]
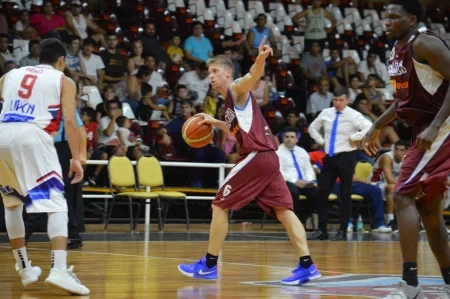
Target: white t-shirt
[126, 135]
[318, 102]
[92, 64]
[194, 83]
[155, 81]
[102, 126]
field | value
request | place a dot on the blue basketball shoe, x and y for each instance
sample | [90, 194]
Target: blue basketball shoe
[302, 275]
[199, 270]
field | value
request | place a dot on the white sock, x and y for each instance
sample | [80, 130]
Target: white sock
[59, 259]
[388, 217]
[21, 257]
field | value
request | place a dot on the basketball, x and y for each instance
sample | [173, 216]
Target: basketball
[197, 135]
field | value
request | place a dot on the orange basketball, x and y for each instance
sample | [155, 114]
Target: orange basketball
[195, 135]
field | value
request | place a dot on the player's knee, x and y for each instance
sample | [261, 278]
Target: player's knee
[57, 225]
[14, 222]
[403, 201]
[281, 213]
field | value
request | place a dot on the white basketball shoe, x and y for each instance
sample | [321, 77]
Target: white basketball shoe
[66, 280]
[29, 275]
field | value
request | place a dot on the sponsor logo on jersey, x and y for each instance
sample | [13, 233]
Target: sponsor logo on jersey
[20, 111]
[229, 116]
[399, 85]
[397, 69]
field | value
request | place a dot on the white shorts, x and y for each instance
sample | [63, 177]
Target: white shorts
[29, 165]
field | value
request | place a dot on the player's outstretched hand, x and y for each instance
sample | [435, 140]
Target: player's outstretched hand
[207, 119]
[264, 50]
[426, 138]
[369, 142]
[77, 169]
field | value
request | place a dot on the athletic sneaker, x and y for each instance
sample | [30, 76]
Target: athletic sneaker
[444, 292]
[302, 275]
[66, 280]
[405, 291]
[350, 227]
[199, 270]
[29, 275]
[382, 229]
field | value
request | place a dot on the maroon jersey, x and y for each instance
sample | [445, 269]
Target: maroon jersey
[419, 90]
[248, 126]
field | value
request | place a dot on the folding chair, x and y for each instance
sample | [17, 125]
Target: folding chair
[150, 175]
[363, 170]
[121, 176]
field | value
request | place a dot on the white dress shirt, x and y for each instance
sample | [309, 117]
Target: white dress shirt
[352, 125]
[287, 166]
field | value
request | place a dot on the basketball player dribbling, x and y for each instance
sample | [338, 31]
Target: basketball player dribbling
[420, 73]
[257, 174]
[34, 100]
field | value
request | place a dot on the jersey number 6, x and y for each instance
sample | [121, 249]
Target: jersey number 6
[26, 86]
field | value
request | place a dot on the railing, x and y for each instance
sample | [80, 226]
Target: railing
[220, 166]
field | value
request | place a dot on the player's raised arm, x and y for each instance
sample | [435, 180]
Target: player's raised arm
[68, 104]
[248, 82]
[432, 51]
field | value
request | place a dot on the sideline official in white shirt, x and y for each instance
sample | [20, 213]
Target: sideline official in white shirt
[343, 129]
[297, 171]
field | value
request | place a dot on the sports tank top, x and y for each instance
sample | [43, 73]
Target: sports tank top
[81, 25]
[315, 25]
[259, 37]
[248, 126]
[33, 95]
[378, 172]
[419, 89]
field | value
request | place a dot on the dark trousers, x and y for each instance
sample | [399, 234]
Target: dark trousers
[341, 166]
[72, 193]
[309, 205]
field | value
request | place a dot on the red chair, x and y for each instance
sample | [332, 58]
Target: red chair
[36, 9]
[173, 74]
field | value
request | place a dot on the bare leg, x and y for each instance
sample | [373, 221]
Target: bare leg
[408, 227]
[389, 208]
[431, 215]
[295, 230]
[218, 230]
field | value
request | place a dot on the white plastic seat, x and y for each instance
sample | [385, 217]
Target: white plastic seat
[255, 8]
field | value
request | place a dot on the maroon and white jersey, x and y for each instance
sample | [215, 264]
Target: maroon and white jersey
[248, 126]
[419, 89]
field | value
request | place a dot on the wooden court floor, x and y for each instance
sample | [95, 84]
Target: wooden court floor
[121, 265]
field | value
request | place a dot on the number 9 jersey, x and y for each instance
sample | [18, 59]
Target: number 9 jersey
[33, 95]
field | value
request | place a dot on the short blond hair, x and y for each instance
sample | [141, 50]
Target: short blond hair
[221, 60]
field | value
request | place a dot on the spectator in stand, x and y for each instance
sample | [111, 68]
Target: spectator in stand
[148, 106]
[128, 143]
[256, 34]
[107, 95]
[340, 70]
[156, 80]
[321, 99]
[261, 92]
[315, 24]
[77, 24]
[88, 118]
[197, 48]
[48, 23]
[375, 97]
[213, 103]
[115, 63]
[373, 65]
[298, 173]
[388, 133]
[153, 46]
[230, 148]
[10, 65]
[23, 28]
[93, 64]
[32, 58]
[174, 51]
[236, 58]
[292, 120]
[181, 93]
[73, 64]
[135, 62]
[3, 24]
[131, 92]
[108, 138]
[197, 81]
[355, 88]
[313, 65]
[5, 55]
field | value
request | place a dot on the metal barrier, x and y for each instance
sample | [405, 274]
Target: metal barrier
[220, 166]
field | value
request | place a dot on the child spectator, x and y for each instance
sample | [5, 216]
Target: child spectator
[88, 118]
[174, 51]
